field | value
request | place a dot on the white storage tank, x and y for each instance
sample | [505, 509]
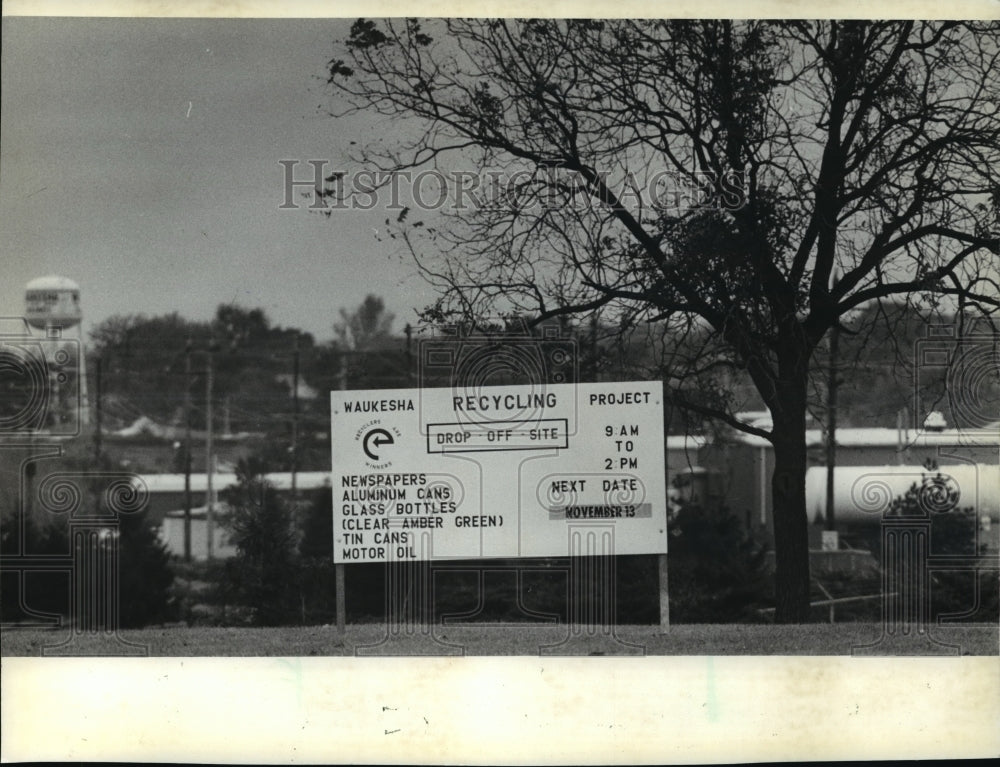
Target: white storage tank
[864, 493]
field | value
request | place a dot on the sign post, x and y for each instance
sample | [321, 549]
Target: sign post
[338, 574]
[664, 594]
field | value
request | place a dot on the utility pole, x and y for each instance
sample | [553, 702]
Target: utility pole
[409, 354]
[295, 419]
[593, 347]
[341, 587]
[831, 424]
[831, 412]
[97, 411]
[209, 456]
[342, 373]
[187, 450]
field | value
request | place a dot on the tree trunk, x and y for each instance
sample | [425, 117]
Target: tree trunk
[788, 485]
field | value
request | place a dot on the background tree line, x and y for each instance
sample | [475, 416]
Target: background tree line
[143, 371]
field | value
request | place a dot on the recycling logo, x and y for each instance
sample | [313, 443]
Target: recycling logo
[376, 442]
[373, 440]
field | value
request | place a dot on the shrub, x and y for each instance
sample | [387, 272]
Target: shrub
[265, 571]
[964, 593]
[25, 594]
[317, 573]
[716, 573]
[145, 575]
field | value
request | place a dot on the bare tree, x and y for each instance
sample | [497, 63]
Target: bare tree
[709, 175]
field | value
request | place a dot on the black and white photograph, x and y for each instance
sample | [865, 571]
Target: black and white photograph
[492, 388]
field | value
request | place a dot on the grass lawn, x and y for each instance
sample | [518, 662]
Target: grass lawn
[524, 640]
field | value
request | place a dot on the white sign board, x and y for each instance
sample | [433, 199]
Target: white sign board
[511, 471]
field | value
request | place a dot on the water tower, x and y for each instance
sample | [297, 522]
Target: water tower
[52, 304]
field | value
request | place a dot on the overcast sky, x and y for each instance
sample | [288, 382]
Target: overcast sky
[141, 159]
